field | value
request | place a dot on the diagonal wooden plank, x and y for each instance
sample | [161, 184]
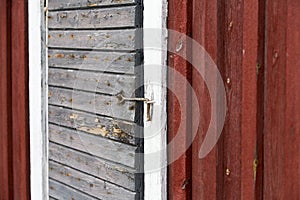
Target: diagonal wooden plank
[71, 4]
[119, 175]
[96, 82]
[94, 103]
[93, 61]
[85, 183]
[58, 191]
[94, 18]
[94, 145]
[93, 124]
[124, 40]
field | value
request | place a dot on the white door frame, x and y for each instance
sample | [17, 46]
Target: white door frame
[155, 79]
[155, 14]
[37, 103]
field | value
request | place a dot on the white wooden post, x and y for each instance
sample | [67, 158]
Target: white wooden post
[37, 102]
[155, 78]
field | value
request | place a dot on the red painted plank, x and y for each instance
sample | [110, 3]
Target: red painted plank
[14, 180]
[292, 125]
[20, 121]
[274, 136]
[249, 105]
[233, 60]
[179, 172]
[5, 150]
[205, 32]
[282, 139]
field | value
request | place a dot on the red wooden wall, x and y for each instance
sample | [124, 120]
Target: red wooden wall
[256, 45]
[14, 124]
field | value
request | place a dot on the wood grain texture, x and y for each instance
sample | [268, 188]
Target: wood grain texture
[89, 164]
[292, 125]
[88, 184]
[57, 4]
[94, 18]
[60, 191]
[205, 182]
[231, 39]
[92, 57]
[249, 140]
[14, 123]
[179, 186]
[95, 82]
[233, 60]
[90, 123]
[20, 101]
[274, 137]
[282, 113]
[124, 40]
[94, 145]
[5, 103]
[122, 63]
[105, 105]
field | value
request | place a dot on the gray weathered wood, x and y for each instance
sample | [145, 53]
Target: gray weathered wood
[94, 145]
[59, 4]
[115, 17]
[95, 103]
[88, 184]
[93, 81]
[62, 192]
[93, 124]
[97, 40]
[52, 198]
[92, 56]
[92, 60]
[117, 174]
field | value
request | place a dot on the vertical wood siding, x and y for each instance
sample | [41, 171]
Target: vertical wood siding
[282, 112]
[204, 171]
[94, 49]
[14, 123]
[5, 102]
[179, 184]
[256, 47]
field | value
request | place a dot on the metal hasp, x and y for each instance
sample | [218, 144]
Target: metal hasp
[146, 100]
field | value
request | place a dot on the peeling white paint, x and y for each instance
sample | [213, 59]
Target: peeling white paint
[38, 136]
[155, 79]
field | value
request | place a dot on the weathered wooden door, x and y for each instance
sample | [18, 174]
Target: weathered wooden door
[95, 129]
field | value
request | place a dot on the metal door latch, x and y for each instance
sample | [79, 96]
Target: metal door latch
[146, 100]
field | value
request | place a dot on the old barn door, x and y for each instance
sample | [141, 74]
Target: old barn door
[95, 122]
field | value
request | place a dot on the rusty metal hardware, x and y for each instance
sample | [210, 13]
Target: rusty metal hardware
[146, 100]
[255, 166]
